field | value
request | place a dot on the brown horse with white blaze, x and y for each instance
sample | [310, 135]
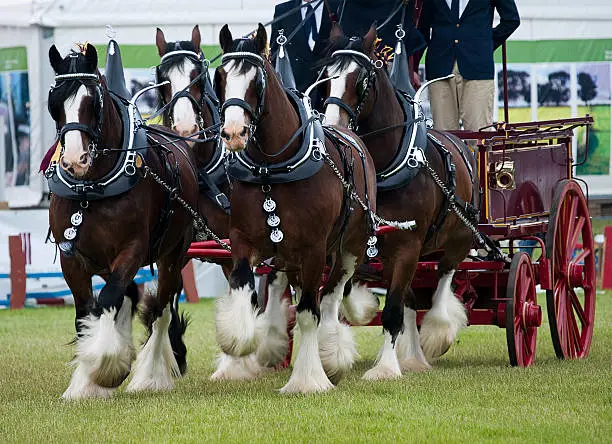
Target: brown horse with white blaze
[360, 94]
[305, 223]
[190, 107]
[116, 230]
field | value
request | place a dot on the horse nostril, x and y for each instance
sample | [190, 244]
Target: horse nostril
[64, 164]
[83, 159]
[225, 135]
[71, 171]
[243, 132]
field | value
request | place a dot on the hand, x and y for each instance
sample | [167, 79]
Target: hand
[416, 80]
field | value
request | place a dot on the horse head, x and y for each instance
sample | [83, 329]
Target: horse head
[351, 63]
[76, 104]
[240, 83]
[181, 63]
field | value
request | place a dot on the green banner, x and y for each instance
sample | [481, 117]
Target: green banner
[14, 59]
[145, 56]
[554, 51]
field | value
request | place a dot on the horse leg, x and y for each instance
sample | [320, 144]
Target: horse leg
[359, 305]
[336, 343]
[308, 375]
[236, 311]
[105, 344]
[447, 314]
[81, 385]
[403, 267]
[157, 364]
[272, 324]
[408, 345]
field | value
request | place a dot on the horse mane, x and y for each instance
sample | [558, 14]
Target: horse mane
[64, 90]
[343, 61]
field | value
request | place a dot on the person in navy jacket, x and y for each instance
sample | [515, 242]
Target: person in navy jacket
[308, 45]
[461, 40]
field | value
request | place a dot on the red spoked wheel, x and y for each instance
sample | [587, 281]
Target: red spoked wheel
[570, 247]
[523, 314]
[262, 300]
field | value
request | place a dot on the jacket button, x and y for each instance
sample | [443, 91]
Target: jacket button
[456, 41]
[457, 25]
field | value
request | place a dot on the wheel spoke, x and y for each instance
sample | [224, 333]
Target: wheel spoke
[568, 208]
[583, 254]
[573, 297]
[574, 333]
[559, 316]
[526, 286]
[518, 346]
[573, 239]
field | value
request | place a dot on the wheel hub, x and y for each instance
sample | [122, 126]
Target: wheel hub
[532, 315]
[575, 274]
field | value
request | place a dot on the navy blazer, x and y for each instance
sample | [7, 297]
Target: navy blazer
[359, 15]
[470, 40]
[301, 56]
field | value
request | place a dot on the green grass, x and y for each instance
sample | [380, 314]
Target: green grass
[472, 394]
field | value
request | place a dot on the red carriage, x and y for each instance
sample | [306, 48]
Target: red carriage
[533, 207]
[530, 194]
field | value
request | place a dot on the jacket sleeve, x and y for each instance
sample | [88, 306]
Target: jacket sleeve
[425, 27]
[509, 21]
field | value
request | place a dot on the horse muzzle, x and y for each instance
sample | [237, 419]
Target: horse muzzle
[76, 167]
[235, 137]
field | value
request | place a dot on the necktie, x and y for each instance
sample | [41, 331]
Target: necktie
[311, 24]
[455, 9]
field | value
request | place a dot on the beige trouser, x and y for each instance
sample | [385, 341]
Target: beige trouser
[470, 101]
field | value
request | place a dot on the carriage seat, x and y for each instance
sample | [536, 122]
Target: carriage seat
[113, 72]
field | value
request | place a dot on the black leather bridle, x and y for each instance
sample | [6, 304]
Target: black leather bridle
[95, 134]
[365, 81]
[201, 78]
[260, 88]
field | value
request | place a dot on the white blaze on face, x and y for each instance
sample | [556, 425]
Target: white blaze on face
[337, 89]
[236, 87]
[183, 115]
[74, 149]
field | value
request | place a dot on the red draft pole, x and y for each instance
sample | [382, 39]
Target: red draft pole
[18, 272]
[606, 260]
[505, 71]
[191, 292]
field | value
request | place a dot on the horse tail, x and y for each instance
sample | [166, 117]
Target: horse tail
[178, 325]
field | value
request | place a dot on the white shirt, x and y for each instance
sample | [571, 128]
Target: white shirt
[462, 5]
[318, 17]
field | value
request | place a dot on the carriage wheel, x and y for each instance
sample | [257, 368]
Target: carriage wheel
[570, 246]
[523, 314]
[262, 300]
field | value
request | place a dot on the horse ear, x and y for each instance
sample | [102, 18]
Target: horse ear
[369, 40]
[55, 59]
[196, 38]
[261, 39]
[336, 32]
[91, 55]
[225, 39]
[160, 41]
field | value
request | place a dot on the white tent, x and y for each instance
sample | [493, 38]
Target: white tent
[29, 27]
